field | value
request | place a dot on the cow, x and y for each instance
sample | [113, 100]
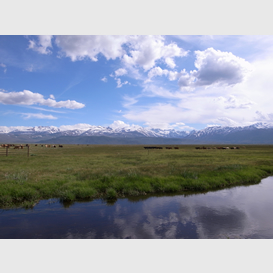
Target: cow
[61, 146]
[176, 148]
[54, 146]
[153, 147]
[36, 145]
[17, 147]
[168, 148]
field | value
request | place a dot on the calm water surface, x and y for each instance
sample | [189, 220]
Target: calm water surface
[241, 212]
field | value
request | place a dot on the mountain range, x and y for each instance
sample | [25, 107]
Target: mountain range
[259, 133]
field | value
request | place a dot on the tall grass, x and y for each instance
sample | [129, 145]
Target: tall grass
[103, 171]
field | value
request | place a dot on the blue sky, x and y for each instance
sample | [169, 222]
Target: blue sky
[181, 82]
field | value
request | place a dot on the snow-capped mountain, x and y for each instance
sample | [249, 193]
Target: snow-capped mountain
[91, 130]
[255, 133]
[215, 130]
[260, 133]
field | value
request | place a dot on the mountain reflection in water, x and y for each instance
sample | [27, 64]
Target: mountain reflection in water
[241, 212]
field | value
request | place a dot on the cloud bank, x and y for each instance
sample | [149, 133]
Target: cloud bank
[141, 50]
[27, 97]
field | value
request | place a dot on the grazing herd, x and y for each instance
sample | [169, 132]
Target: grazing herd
[219, 148]
[160, 147]
[49, 146]
[21, 146]
[198, 148]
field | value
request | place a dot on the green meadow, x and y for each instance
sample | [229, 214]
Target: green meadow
[77, 172]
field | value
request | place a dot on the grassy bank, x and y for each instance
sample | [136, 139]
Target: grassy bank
[101, 171]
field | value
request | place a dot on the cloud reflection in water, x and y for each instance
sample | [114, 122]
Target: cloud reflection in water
[241, 212]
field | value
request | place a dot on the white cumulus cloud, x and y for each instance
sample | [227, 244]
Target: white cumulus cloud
[27, 97]
[120, 72]
[42, 45]
[157, 71]
[119, 83]
[78, 47]
[146, 50]
[215, 67]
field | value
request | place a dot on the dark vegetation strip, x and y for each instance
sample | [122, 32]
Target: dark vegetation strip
[87, 172]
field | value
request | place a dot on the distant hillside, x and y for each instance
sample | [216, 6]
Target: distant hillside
[113, 140]
[255, 136]
[259, 133]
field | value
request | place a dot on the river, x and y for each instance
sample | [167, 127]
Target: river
[239, 212]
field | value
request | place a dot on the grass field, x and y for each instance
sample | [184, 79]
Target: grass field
[108, 171]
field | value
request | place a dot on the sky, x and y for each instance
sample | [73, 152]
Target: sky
[181, 82]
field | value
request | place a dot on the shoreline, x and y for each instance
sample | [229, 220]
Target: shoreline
[111, 195]
[109, 172]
